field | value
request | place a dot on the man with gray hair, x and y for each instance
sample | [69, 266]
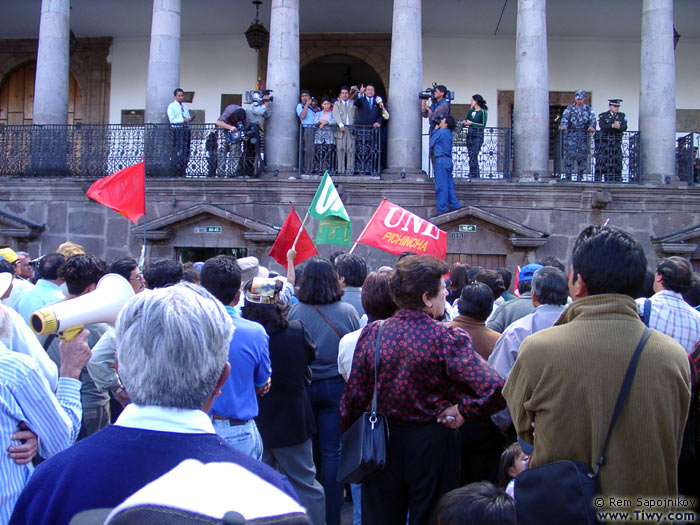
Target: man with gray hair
[172, 348]
[550, 291]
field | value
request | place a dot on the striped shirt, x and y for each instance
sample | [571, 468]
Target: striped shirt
[672, 316]
[25, 395]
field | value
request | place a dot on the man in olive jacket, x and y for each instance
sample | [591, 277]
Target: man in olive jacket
[563, 387]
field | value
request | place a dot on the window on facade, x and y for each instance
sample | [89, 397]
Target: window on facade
[488, 262]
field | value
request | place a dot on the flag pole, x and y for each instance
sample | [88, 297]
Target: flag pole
[366, 226]
[301, 229]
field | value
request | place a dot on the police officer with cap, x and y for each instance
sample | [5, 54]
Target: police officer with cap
[577, 121]
[613, 123]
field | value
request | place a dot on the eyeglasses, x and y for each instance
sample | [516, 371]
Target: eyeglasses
[138, 278]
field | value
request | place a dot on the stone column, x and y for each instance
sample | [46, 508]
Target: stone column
[163, 59]
[282, 128]
[51, 83]
[657, 95]
[531, 104]
[405, 81]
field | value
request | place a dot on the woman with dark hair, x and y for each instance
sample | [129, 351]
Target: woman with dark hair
[429, 380]
[458, 279]
[476, 122]
[324, 141]
[378, 304]
[327, 319]
[285, 419]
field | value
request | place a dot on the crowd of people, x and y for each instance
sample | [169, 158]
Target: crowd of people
[224, 361]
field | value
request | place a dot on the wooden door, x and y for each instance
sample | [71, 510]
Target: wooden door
[17, 97]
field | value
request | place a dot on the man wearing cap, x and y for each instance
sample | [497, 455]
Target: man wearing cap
[613, 124]
[511, 311]
[19, 285]
[577, 121]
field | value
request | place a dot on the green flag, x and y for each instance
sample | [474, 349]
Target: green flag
[334, 226]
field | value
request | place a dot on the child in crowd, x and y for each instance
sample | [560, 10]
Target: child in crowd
[480, 503]
[513, 462]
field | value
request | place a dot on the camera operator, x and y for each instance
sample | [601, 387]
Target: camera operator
[259, 110]
[234, 120]
[307, 118]
[439, 107]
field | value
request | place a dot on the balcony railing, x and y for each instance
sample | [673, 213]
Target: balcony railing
[580, 156]
[481, 153]
[357, 150]
[687, 161]
[95, 150]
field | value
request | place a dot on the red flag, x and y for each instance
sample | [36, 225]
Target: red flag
[285, 239]
[516, 293]
[123, 191]
[396, 230]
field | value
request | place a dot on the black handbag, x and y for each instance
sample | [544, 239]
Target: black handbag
[364, 444]
[562, 492]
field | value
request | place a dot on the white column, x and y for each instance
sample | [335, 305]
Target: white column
[531, 104]
[282, 128]
[657, 94]
[51, 83]
[405, 82]
[163, 59]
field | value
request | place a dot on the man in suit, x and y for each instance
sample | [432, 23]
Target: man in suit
[344, 115]
[369, 115]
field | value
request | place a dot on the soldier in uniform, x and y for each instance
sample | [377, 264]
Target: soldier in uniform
[609, 142]
[577, 121]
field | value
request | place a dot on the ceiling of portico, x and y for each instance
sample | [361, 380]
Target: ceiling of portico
[565, 18]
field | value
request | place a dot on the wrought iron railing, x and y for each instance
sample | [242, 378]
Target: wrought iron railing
[481, 153]
[602, 156]
[95, 150]
[328, 149]
[687, 161]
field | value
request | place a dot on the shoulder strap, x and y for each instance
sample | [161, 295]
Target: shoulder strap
[646, 316]
[48, 341]
[337, 332]
[376, 367]
[624, 392]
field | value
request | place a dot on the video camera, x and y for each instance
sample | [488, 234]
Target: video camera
[243, 130]
[257, 96]
[429, 93]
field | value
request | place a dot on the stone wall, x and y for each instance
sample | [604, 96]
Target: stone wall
[522, 222]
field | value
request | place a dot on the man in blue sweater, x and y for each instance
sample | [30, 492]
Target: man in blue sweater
[172, 349]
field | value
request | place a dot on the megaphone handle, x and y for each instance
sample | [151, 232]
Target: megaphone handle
[71, 333]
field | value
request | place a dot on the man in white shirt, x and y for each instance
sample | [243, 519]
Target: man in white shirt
[180, 118]
[344, 116]
[19, 285]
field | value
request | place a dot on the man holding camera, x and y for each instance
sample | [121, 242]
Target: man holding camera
[180, 118]
[344, 115]
[439, 108]
[242, 138]
[308, 123]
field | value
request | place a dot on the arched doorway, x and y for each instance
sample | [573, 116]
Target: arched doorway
[17, 97]
[324, 75]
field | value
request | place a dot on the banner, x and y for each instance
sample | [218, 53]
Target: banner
[334, 226]
[285, 239]
[123, 191]
[396, 230]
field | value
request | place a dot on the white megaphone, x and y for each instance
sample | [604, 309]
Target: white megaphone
[102, 305]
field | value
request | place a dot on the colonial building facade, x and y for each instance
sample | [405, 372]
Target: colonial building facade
[111, 73]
